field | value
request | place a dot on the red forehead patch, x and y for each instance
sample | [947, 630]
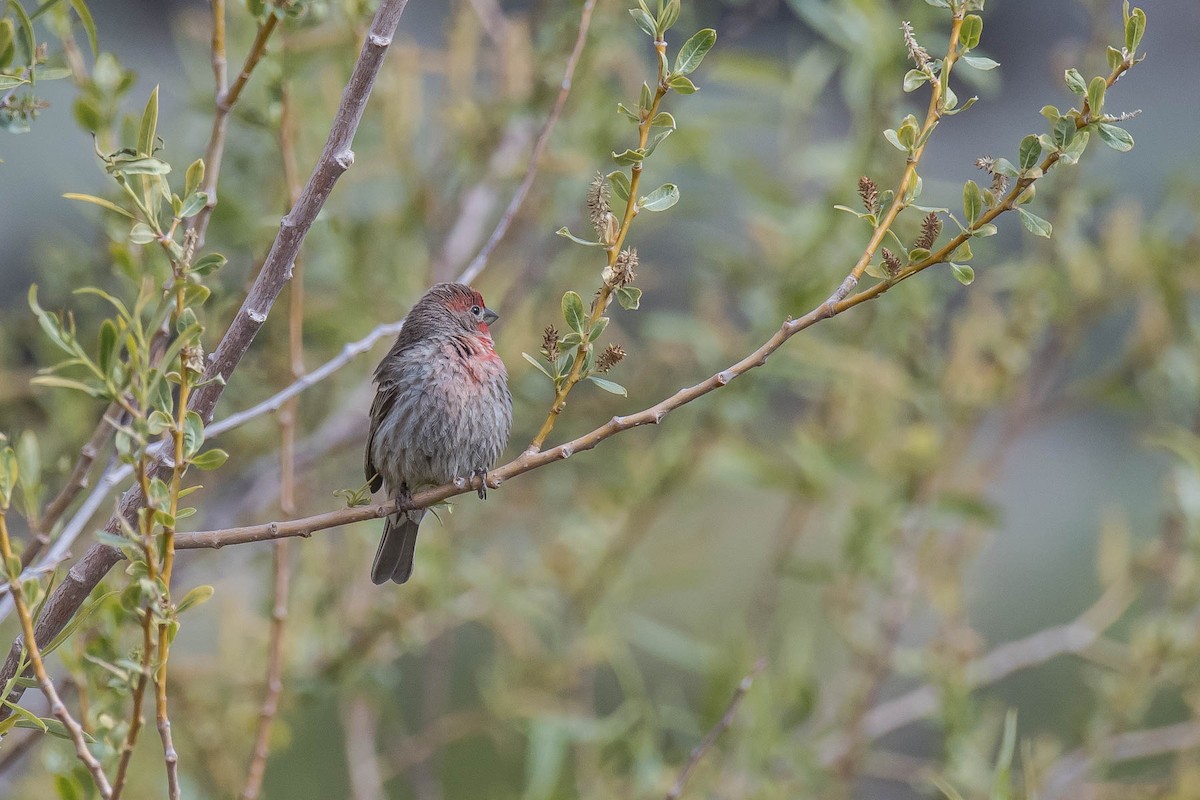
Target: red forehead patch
[463, 300]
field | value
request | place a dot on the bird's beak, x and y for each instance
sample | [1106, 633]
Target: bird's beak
[489, 316]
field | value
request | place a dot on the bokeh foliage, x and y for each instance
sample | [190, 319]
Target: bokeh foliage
[577, 634]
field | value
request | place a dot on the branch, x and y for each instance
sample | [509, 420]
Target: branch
[276, 271]
[528, 460]
[287, 475]
[57, 707]
[225, 97]
[710, 739]
[1130, 746]
[76, 482]
[481, 258]
[1045, 645]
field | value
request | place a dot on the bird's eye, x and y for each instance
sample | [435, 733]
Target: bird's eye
[476, 310]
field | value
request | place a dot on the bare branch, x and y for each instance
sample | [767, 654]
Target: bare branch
[1131, 746]
[287, 479]
[710, 739]
[480, 261]
[225, 97]
[1038, 648]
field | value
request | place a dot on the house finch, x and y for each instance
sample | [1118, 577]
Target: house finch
[442, 411]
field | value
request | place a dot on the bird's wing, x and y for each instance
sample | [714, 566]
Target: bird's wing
[385, 398]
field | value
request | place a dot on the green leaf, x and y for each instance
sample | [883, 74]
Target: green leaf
[661, 198]
[11, 82]
[669, 16]
[1135, 27]
[572, 311]
[1075, 82]
[609, 386]
[58, 382]
[194, 176]
[208, 263]
[980, 62]
[972, 29]
[1114, 137]
[645, 22]
[917, 255]
[192, 205]
[621, 109]
[1005, 167]
[141, 233]
[89, 24]
[620, 184]
[537, 364]
[630, 297]
[26, 28]
[914, 79]
[629, 157]
[567, 234]
[663, 120]
[148, 130]
[193, 434]
[972, 201]
[1115, 58]
[1035, 224]
[194, 597]
[1030, 152]
[1073, 152]
[1064, 132]
[100, 201]
[894, 138]
[962, 273]
[657, 140]
[30, 719]
[138, 165]
[985, 230]
[210, 459]
[683, 84]
[10, 473]
[107, 347]
[693, 51]
[1095, 95]
[80, 617]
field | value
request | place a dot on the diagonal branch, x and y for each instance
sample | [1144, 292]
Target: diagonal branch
[225, 98]
[481, 258]
[710, 739]
[335, 159]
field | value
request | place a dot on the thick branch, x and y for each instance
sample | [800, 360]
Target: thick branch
[276, 271]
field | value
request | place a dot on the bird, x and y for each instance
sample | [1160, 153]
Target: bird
[442, 411]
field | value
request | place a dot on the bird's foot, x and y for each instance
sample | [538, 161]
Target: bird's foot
[482, 475]
[404, 496]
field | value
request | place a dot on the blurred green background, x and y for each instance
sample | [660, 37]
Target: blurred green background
[1015, 445]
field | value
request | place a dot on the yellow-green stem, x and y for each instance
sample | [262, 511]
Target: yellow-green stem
[57, 707]
[604, 296]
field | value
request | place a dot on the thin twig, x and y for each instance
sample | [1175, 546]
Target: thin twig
[710, 739]
[76, 483]
[287, 480]
[1038, 648]
[225, 97]
[518, 199]
[360, 725]
[1074, 767]
[30, 645]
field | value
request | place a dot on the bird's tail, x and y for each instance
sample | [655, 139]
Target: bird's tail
[394, 558]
